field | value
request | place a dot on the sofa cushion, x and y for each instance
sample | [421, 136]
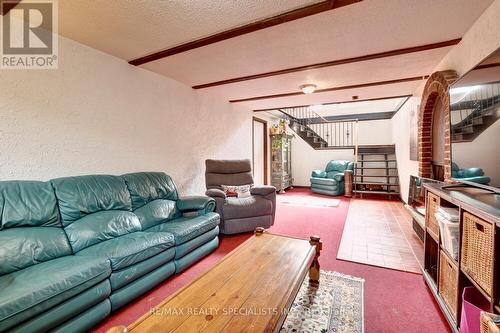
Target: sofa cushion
[335, 187]
[30, 291]
[187, 247]
[235, 208]
[83, 195]
[30, 227]
[129, 249]
[28, 204]
[145, 187]
[338, 166]
[125, 276]
[323, 181]
[101, 226]
[187, 228]
[24, 247]
[155, 212]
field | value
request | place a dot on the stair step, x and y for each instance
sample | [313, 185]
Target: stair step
[375, 192]
[376, 176]
[374, 154]
[377, 168]
[376, 183]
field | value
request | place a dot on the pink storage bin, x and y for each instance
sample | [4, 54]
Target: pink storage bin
[473, 302]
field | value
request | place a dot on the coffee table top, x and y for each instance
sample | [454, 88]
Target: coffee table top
[250, 289]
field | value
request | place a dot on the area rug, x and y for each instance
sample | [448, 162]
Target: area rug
[308, 201]
[373, 234]
[335, 306]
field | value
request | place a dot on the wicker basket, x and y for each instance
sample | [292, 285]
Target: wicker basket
[448, 282]
[432, 206]
[488, 323]
[477, 250]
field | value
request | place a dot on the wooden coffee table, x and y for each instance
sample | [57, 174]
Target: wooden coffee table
[249, 290]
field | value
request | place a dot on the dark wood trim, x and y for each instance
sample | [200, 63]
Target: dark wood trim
[333, 63]
[8, 6]
[340, 102]
[245, 29]
[494, 64]
[359, 116]
[265, 147]
[354, 86]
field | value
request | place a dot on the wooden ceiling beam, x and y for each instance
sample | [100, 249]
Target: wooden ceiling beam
[354, 86]
[372, 56]
[8, 6]
[339, 102]
[245, 29]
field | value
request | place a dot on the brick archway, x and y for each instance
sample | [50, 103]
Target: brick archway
[434, 97]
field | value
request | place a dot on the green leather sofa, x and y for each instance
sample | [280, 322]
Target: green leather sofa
[74, 249]
[331, 180]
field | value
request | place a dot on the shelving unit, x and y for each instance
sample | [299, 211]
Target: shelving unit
[376, 171]
[448, 289]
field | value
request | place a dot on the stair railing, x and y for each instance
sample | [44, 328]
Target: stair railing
[333, 133]
[475, 104]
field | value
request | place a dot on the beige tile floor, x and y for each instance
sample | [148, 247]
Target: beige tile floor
[379, 233]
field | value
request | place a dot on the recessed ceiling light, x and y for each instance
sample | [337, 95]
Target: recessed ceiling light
[308, 88]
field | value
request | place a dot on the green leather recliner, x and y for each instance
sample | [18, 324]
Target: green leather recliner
[74, 249]
[331, 180]
[475, 175]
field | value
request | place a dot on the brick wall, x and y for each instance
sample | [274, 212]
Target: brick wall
[435, 93]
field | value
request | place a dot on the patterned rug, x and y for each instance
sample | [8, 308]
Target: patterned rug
[335, 306]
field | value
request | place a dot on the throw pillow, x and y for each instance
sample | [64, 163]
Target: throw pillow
[242, 191]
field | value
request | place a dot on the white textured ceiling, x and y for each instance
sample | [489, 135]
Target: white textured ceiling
[130, 29]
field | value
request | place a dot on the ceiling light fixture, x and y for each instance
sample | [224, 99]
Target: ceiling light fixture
[308, 88]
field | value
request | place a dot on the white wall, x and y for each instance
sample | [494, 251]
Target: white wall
[401, 138]
[305, 159]
[482, 39]
[98, 114]
[482, 153]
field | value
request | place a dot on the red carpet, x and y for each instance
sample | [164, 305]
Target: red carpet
[394, 301]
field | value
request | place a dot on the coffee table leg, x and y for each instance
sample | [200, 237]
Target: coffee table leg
[314, 269]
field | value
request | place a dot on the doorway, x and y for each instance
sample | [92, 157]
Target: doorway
[259, 151]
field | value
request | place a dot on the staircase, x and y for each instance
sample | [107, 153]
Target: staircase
[307, 134]
[473, 115]
[376, 171]
[318, 132]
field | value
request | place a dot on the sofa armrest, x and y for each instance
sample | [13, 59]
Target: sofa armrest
[318, 174]
[200, 204]
[339, 177]
[472, 172]
[215, 193]
[262, 190]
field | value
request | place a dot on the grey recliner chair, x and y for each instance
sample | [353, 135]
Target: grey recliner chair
[239, 214]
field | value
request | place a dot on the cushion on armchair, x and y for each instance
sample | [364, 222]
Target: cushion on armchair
[475, 175]
[331, 180]
[262, 190]
[318, 174]
[239, 214]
